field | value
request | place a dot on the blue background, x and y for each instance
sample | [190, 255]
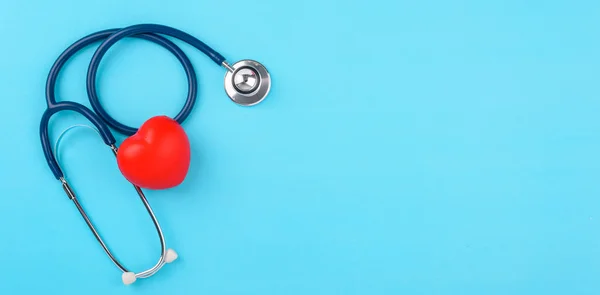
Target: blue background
[407, 147]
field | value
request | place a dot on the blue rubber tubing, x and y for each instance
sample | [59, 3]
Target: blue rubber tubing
[145, 30]
[100, 118]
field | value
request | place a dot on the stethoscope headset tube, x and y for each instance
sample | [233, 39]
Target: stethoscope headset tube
[146, 29]
[102, 120]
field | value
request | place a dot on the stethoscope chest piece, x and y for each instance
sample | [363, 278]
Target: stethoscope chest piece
[247, 82]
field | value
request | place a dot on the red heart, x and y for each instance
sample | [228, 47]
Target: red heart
[157, 156]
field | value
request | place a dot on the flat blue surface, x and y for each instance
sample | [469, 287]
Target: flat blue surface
[407, 147]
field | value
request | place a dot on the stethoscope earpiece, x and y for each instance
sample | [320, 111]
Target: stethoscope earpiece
[130, 277]
[247, 82]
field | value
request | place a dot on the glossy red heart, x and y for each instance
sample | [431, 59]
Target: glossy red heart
[157, 156]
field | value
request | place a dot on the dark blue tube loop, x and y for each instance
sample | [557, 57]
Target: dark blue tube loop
[98, 36]
[105, 133]
[101, 119]
[144, 29]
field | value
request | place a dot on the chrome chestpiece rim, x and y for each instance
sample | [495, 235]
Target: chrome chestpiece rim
[247, 82]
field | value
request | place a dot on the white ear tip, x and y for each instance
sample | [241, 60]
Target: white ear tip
[171, 256]
[128, 278]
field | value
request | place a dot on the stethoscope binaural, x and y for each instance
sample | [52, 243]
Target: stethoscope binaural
[247, 82]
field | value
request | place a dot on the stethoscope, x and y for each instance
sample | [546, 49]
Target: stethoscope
[247, 82]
